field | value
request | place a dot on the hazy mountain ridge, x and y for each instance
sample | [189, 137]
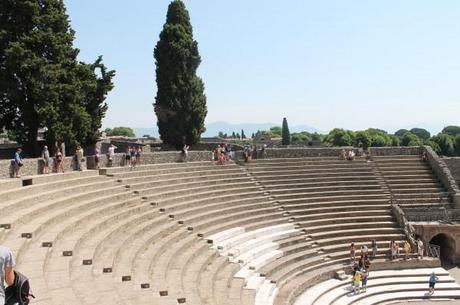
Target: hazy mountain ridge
[212, 129]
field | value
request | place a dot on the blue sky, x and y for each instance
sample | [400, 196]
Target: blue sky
[351, 64]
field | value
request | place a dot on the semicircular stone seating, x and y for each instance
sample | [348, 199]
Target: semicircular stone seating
[194, 233]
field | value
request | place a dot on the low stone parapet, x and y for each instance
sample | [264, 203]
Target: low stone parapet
[395, 150]
[35, 166]
[151, 158]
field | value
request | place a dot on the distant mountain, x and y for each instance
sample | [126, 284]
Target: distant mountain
[212, 129]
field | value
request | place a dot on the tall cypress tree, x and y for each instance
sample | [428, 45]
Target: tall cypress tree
[41, 82]
[286, 135]
[180, 104]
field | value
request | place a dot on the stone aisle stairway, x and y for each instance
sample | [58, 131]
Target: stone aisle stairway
[411, 181]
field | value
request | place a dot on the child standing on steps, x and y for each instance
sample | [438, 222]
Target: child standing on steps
[432, 282]
[357, 281]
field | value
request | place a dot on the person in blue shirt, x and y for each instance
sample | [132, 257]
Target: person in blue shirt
[17, 162]
[432, 282]
[6, 271]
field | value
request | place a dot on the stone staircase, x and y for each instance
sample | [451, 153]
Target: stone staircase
[411, 181]
[383, 287]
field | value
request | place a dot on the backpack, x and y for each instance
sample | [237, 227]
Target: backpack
[19, 293]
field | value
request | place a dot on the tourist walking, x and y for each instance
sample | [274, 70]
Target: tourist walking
[420, 248]
[392, 250]
[138, 154]
[356, 281]
[59, 159]
[185, 152]
[407, 250]
[432, 282]
[352, 252]
[45, 156]
[111, 154]
[246, 152]
[6, 271]
[132, 153]
[79, 156]
[97, 156]
[364, 251]
[17, 163]
[396, 249]
[128, 155]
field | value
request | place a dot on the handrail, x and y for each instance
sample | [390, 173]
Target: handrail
[433, 250]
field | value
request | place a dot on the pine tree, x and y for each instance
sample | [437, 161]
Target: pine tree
[42, 85]
[180, 104]
[286, 135]
[233, 135]
[243, 136]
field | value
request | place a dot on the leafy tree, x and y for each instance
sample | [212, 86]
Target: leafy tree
[410, 139]
[146, 136]
[42, 85]
[300, 137]
[180, 104]
[451, 130]
[401, 132]
[277, 131]
[120, 131]
[220, 134]
[446, 144]
[434, 145]
[317, 137]
[363, 137]
[395, 141]
[243, 136]
[457, 144]
[423, 134]
[286, 136]
[340, 137]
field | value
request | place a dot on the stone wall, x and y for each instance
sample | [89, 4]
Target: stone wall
[395, 150]
[34, 166]
[152, 158]
[443, 173]
[454, 166]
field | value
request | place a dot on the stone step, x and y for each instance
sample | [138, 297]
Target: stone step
[324, 185]
[157, 166]
[328, 291]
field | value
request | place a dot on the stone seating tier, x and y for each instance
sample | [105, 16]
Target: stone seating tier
[136, 235]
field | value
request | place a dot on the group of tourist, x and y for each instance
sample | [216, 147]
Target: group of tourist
[361, 265]
[132, 155]
[347, 155]
[222, 154]
[255, 152]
